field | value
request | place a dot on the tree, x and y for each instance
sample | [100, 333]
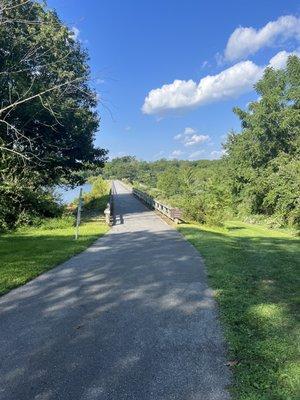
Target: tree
[170, 182]
[122, 168]
[47, 113]
[260, 155]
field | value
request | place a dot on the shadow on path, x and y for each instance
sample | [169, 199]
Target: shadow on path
[129, 318]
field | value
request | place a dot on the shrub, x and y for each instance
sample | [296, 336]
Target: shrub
[26, 206]
[97, 198]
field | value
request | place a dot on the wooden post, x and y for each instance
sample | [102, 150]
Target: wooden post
[78, 214]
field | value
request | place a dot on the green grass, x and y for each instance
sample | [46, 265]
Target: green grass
[28, 252]
[254, 272]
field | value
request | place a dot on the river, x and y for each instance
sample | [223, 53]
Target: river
[67, 195]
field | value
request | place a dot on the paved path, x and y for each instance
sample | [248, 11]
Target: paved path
[130, 318]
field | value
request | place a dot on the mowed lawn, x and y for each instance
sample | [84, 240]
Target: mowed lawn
[27, 253]
[255, 275]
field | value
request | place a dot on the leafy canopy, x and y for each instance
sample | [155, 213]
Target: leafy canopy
[47, 115]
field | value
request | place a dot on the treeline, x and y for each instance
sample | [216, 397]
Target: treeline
[47, 112]
[258, 178]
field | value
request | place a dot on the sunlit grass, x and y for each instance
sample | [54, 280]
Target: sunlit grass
[28, 252]
[255, 274]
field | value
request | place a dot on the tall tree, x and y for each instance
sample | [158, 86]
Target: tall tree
[47, 111]
[267, 151]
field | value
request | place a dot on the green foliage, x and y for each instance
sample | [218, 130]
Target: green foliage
[255, 276]
[97, 198]
[264, 159]
[21, 205]
[66, 221]
[122, 168]
[200, 192]
[170, 182]
[53, 131]
[99, 185]
[47, 113]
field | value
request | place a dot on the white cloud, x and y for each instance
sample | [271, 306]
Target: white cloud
[195, 139]
[127, 128]
[196, 154]
[181, 94]
[75, 32]
[176, 154]
[189, 137]
[280, 59]
[246, 41]
[229, 83]
[187, 131]
[177, 137]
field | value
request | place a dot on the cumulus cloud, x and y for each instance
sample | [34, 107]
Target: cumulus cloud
[187, 131]
[181, 94]
[195, 139]
[229, 83]
[189, 137]
[280, 59]
[246, 41]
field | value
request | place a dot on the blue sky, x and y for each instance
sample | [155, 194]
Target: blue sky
[136, 47]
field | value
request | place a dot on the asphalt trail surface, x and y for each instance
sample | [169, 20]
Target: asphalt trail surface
[130, 318]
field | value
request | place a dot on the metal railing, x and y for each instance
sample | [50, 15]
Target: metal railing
[175, 214]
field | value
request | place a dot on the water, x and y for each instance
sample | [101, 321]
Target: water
[68, 195]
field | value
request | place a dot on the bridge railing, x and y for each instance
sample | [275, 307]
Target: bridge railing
[175, 214]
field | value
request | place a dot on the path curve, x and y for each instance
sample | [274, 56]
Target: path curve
[129, 318]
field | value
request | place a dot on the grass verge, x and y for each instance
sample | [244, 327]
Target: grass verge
[28, 252]
[254, 272]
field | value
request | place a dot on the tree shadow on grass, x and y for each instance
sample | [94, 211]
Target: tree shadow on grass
[256, 281]
[26, 255]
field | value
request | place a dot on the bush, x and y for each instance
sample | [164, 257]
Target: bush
[26, 206]
[97, 197]
[192, 207]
